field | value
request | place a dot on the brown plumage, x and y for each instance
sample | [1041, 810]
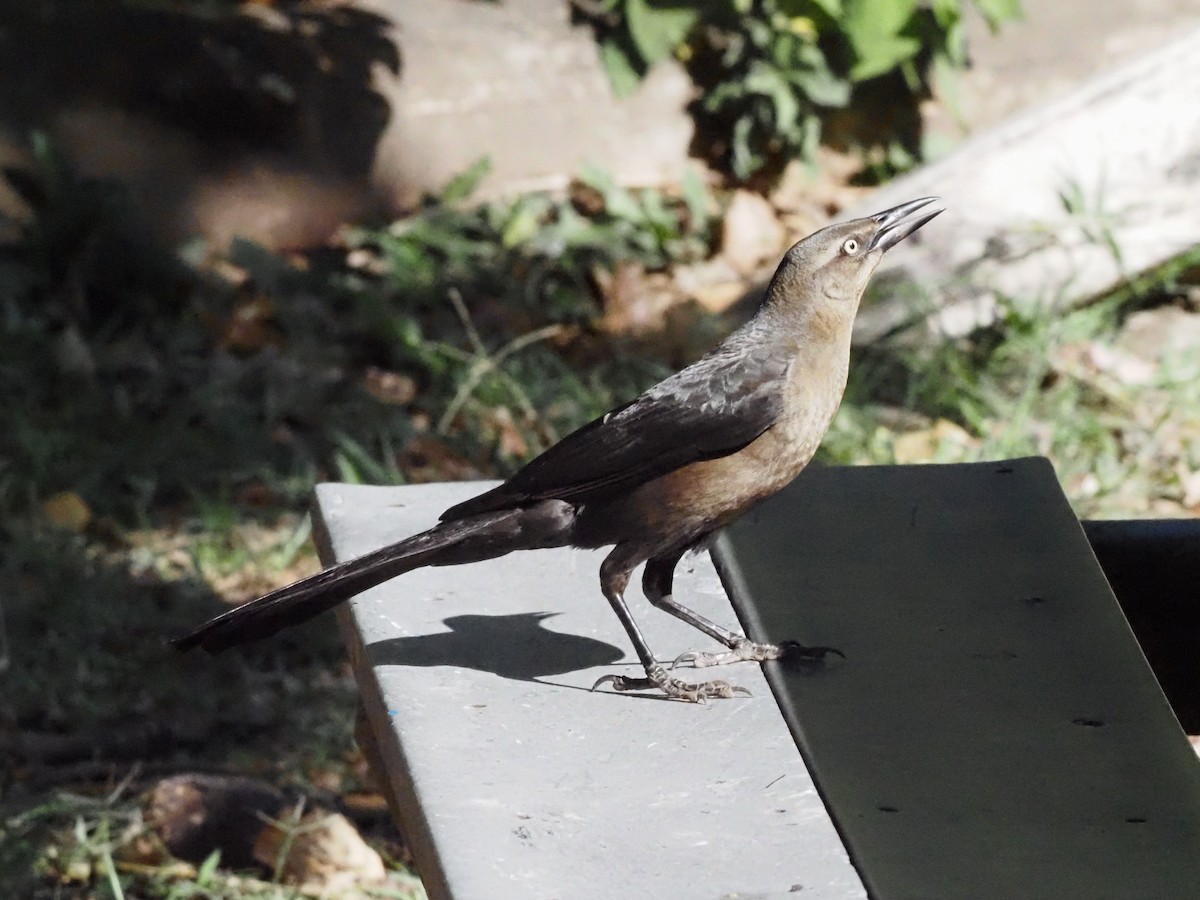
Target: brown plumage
[657, 476]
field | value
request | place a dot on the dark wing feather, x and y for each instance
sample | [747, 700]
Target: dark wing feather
[710, 409]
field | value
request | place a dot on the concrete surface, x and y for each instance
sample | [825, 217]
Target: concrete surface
[1055, 47]
[519, 783]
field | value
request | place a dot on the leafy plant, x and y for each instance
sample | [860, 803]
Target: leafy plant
[770, 71]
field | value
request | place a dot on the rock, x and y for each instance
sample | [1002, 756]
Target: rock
[1035, 205]
[1103, 366]
[253, 823]
[195, 814]
[1167, 336]
[714, 283]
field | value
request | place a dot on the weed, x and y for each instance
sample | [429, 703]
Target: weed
[770, 71]
[1023, 386]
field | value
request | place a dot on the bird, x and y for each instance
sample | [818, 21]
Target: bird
[657, 476]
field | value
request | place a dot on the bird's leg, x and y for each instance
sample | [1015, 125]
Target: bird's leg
[614, 578]
[657, 582]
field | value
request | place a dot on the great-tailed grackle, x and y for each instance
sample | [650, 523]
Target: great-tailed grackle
[657, 476]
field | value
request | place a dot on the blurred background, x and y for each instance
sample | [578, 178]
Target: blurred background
[250, 245]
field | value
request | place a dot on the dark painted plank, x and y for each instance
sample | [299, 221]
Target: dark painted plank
[1153, 566]
[994, 730]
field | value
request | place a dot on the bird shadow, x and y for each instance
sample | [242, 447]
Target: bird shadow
[515, 646]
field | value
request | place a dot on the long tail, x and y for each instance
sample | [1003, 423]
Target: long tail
[483, 536]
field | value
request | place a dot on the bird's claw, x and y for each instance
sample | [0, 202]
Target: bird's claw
[794, 651]
[658, 679]
[743, 650]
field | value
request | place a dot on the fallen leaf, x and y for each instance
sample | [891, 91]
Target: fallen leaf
[634, 301]
[67, 510]
[393, 388]
[251, 325]
[325, 853]
[714, 284]
[425, 459]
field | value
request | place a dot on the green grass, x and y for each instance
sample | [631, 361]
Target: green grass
[1025, 386]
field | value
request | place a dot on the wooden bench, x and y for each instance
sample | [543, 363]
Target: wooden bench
[993, 732]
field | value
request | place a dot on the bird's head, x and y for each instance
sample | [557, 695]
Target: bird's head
[833, 265]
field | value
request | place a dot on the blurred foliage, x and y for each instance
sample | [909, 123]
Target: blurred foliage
[770, 71]
[139, 377]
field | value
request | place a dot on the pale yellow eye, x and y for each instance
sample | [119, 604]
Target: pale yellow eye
[850, 246]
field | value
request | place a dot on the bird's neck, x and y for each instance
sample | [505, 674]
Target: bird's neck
[817, 325]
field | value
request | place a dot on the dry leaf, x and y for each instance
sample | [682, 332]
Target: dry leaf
[322, 852]
[394, 388]
[425, 459]
[67, 510]
[251, 325]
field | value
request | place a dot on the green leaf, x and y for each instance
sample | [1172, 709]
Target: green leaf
[873, 28]
[208, 868]
[771, 83]
[697, 199]
[997, 12]
[820, 84]
[622, 74]
[657, 28]
[463, 185]
[524, 221]
[744, 160]
[831, 7]
[945, 75]
[946, 12]
[618, 202]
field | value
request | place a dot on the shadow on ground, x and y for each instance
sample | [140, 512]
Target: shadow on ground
[185, 104]
[514, 646]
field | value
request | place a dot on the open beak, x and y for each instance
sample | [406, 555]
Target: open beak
[892, 228]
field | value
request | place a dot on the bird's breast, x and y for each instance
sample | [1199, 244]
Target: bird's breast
[688, 503]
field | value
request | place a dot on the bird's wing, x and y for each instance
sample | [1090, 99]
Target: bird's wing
[710, 409]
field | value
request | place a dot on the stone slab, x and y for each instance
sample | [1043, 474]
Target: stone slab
[1055, 206]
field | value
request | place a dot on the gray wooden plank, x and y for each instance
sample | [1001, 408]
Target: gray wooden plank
[994, 730]
[515, 782]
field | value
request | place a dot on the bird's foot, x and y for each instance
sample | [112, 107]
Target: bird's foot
[745, 650]
[658, 679]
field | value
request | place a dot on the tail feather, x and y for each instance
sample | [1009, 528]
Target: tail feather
[465, 540]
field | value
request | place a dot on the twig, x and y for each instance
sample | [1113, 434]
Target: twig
[484, 363]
